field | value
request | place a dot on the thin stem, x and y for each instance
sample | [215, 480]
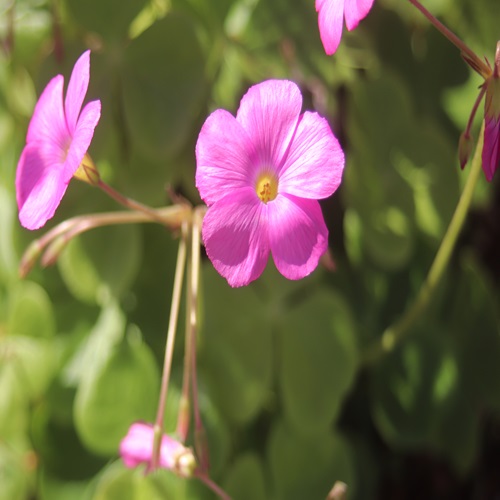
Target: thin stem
[213, 486]
[171, 216]
[474, 110]
[200, 441]
[468, 54]
[129, 202]
[184, 414]
[395, 333]
[169, 347]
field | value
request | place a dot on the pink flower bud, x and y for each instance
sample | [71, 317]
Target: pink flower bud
[137, 448]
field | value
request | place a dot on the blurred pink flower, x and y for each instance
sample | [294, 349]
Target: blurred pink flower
[331, 15]
[491, 147]
[58, 137]
[137, 448]
[260, 175]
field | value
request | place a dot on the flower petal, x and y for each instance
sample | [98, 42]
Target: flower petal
[315, 162]
[48, 124]
[77, 88]
[269, 112]
[491, 147]
[223, 157]
[330, 21]
[137, 447]
[40, 185]
[235, 234]
[355, 10]
[297, 234]
[82, 137]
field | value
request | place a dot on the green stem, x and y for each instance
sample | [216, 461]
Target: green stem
[395, 333]
[468, 54]
[184, 413]
[169, 347]
[200, 436]
[172, 216]
[213, 486]
[129, 202]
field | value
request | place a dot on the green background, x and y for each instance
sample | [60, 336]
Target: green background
[288, 399]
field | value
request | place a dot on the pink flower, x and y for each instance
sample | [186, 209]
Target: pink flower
[59, 135]
[491, 147]
[137, 448]
[260, 175]
[331, 15]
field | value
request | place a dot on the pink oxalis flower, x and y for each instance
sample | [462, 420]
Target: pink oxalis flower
[491, 147]
[58, 137]
[331, 14]
[137, 448]
[261, 175]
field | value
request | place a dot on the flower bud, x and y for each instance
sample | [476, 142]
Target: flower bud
[465, 145]
[137, 448]
[491, 147]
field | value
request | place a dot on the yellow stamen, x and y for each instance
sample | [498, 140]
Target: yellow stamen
[267, 187]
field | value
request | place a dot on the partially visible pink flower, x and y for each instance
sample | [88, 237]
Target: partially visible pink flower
[59, 135]
[331, 14]
[260, 175]
[137, 448]
[491, 146]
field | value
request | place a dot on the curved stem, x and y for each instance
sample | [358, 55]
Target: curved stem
[395, 333]
[213, 486]
[169, 347]
[171, 216]
[129, 202]
[468, 54]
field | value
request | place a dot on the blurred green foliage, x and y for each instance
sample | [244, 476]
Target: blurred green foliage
[289, 403]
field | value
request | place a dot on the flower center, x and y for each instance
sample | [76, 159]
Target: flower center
[267, 187]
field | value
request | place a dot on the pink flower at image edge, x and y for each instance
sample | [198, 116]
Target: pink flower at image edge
[59, 135]
[331, 14]
[261, 174]
[491, 146]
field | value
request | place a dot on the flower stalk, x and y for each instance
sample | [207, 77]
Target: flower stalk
[394, 334]
[169, 347]
[172, 216]
[470, 57]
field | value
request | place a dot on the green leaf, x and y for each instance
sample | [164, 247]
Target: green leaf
[318, 361]
[30, 311]
[114, 395]
[118, 483]
[374, 188]
[162, 93]
[97, 346]
[412, 387]
[15, 454]
[13, 398]
[101, 262]
[110, 19]
[307, 467]
[245, 479]
[8, 258]
[34, 362]
[237, 349]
